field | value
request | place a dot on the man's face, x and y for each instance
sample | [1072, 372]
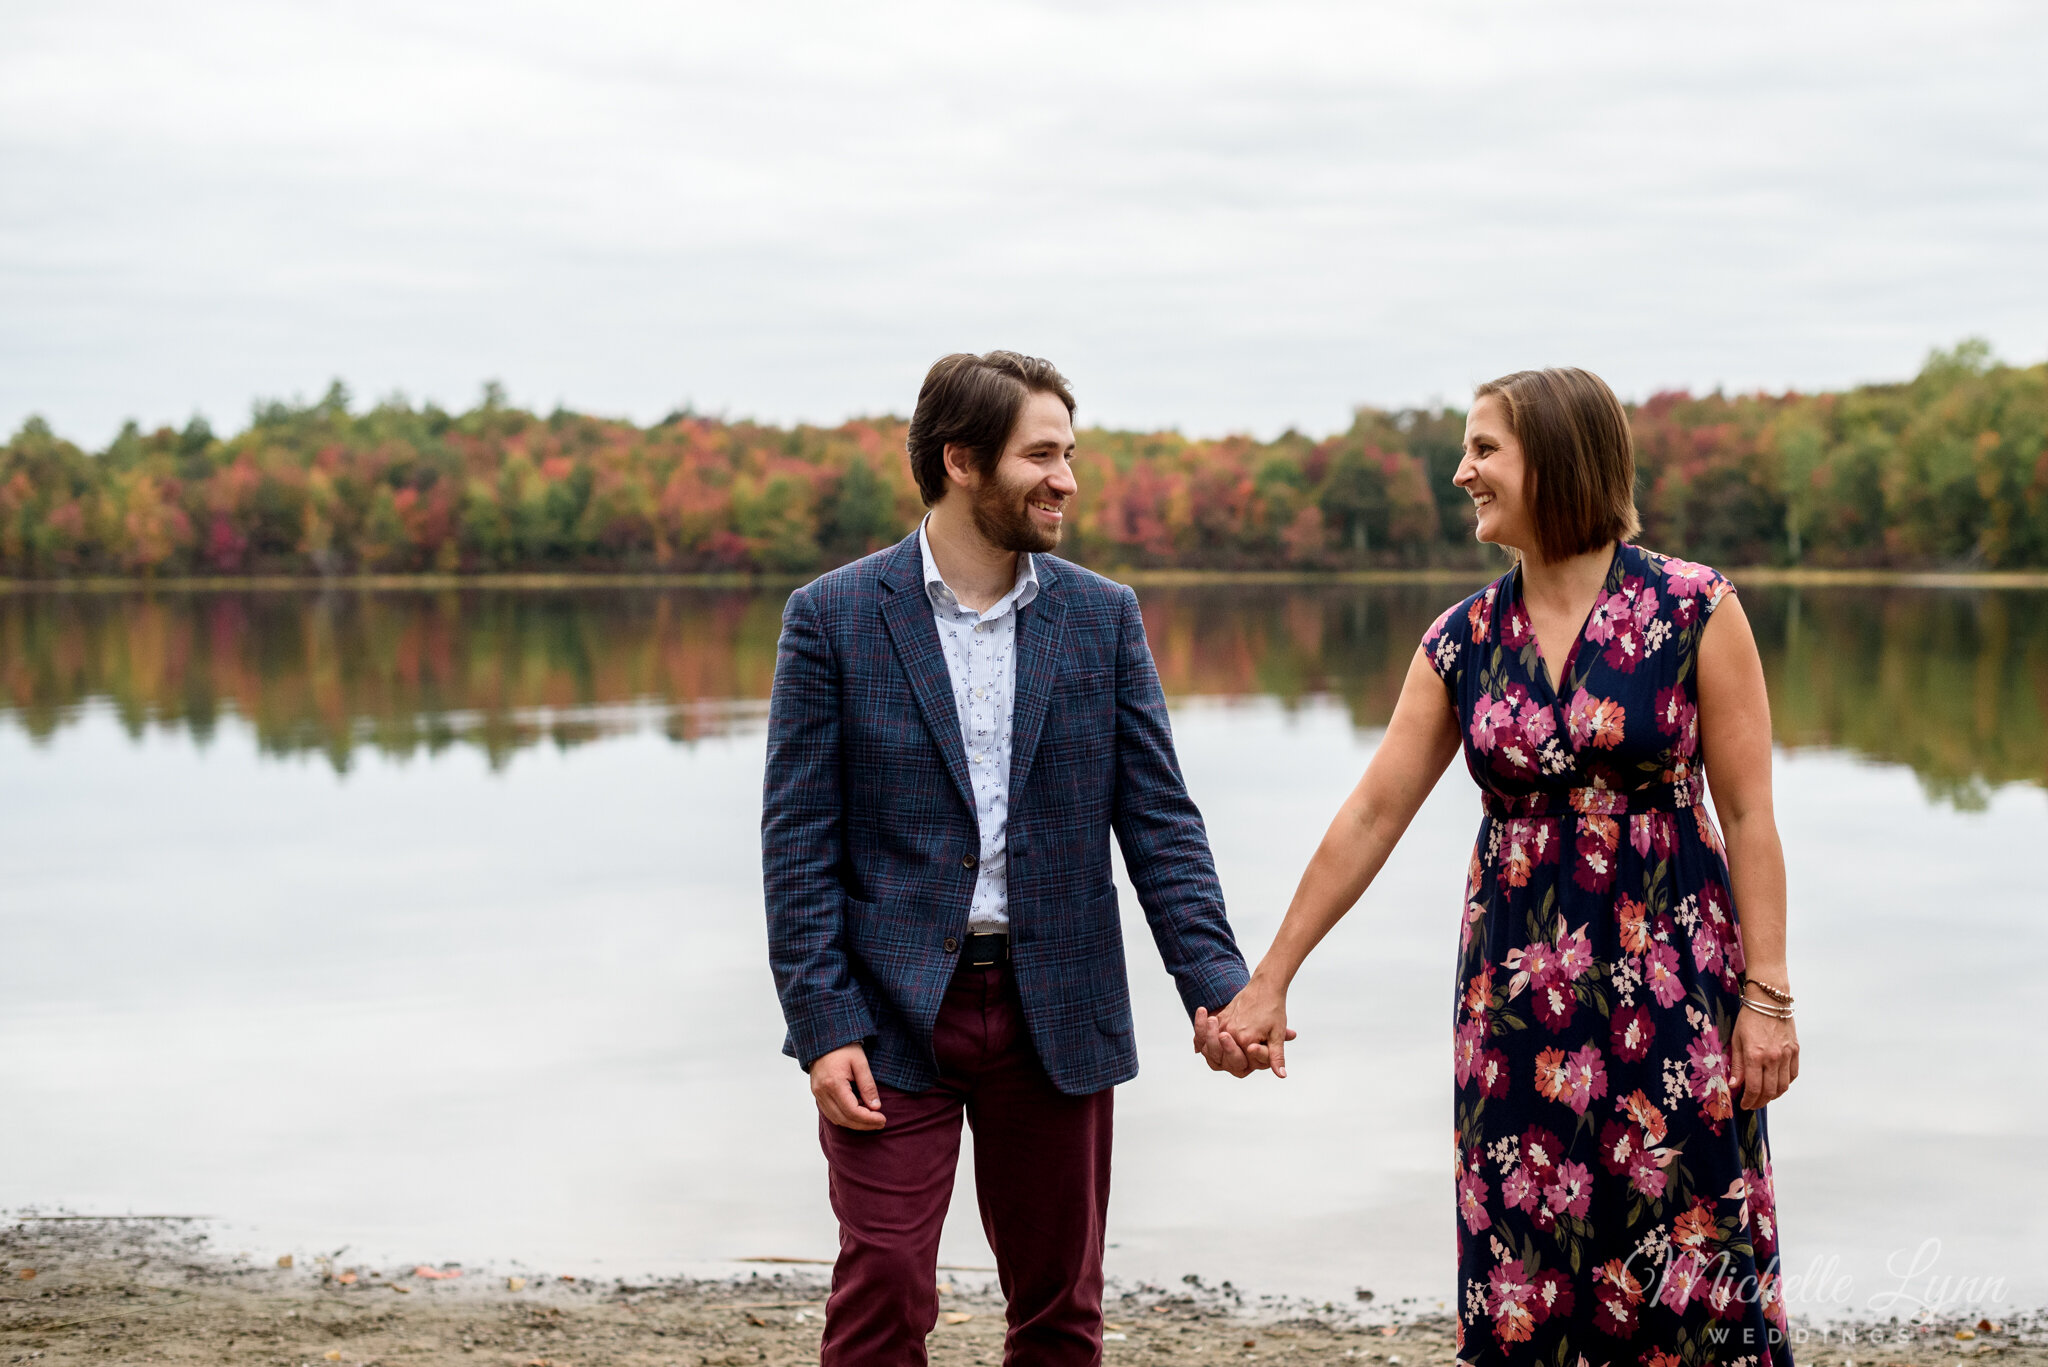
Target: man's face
[1021, 506]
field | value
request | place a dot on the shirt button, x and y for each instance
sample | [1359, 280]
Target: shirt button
[981, 626]
[952, 945]
[968, 861]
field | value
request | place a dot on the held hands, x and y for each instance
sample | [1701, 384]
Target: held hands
[1249, 1034]
[845, 1090]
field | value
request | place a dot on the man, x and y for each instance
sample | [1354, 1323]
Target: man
[958, 724]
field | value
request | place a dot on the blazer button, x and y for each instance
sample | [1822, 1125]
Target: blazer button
[968, 861]
[952, 945]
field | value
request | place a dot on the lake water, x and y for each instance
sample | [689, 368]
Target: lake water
[429, 924]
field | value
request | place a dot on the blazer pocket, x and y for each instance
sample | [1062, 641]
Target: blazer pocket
[1103, 930]
[856, 931]
[1081, 714]
[859, 924]
[1116, 1023]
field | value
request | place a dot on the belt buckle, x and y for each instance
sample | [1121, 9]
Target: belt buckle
[993, 944]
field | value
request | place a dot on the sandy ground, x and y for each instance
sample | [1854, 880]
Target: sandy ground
[103, 1292]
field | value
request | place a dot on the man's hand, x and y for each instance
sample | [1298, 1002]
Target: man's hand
[1218, 1048]
[1256, 1022]
[845, 1090]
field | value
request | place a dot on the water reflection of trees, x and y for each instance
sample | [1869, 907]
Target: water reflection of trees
[401, 672]
[1952, 683]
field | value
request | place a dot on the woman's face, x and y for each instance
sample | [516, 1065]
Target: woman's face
[1491, 473]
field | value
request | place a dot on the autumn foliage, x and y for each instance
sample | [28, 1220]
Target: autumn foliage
[1950, 468]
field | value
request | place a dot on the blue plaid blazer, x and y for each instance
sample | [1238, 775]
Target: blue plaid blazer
[868, 823]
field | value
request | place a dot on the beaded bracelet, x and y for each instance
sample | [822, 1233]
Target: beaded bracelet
[1778, 995]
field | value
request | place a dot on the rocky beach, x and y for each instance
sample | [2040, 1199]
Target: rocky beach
[83, 1291]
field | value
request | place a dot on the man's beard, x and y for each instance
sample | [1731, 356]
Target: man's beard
[1002, 515]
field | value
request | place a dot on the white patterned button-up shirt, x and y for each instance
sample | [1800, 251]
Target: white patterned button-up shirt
[981, 657]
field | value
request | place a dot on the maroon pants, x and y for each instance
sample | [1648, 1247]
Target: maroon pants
[1041, 1176]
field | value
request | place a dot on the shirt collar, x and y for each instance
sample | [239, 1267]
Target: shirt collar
[1020, 595]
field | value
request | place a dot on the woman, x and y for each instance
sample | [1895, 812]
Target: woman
[1618, 1028]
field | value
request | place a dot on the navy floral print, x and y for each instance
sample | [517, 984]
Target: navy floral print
[1614, 1203]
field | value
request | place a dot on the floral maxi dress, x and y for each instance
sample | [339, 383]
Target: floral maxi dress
[1614, 1203]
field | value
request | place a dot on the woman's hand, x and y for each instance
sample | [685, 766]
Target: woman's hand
[1763, 1058]
[1256, 1022]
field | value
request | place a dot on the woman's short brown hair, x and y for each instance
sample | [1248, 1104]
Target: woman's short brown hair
[973, 401]
[1579, 454]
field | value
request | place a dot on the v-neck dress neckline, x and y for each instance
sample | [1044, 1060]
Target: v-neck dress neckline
[1518, 598]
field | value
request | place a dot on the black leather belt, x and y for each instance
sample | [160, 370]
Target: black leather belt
[986, 948]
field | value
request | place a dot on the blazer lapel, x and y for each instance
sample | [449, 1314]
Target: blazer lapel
[1041, 628]
[908, 613]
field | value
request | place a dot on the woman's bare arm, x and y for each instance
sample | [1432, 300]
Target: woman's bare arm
[1421, 739]
[1735, 748]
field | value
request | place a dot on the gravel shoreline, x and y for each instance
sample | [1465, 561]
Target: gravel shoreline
[119, 1291]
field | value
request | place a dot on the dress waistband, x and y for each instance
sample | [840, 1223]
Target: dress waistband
[1657, 797]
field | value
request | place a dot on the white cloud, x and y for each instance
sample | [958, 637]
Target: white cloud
[1212, 216]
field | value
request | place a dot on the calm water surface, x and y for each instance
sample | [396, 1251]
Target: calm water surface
[430, 924]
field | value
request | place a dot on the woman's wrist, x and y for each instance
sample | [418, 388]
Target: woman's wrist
[1768, 992]
[1273, 976]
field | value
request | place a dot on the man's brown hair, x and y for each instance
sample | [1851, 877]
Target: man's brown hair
[973, 401]
[1579, 454]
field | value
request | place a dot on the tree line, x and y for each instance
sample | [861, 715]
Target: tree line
[1947, 469]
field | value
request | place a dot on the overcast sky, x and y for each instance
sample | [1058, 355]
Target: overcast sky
[1229, 217]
